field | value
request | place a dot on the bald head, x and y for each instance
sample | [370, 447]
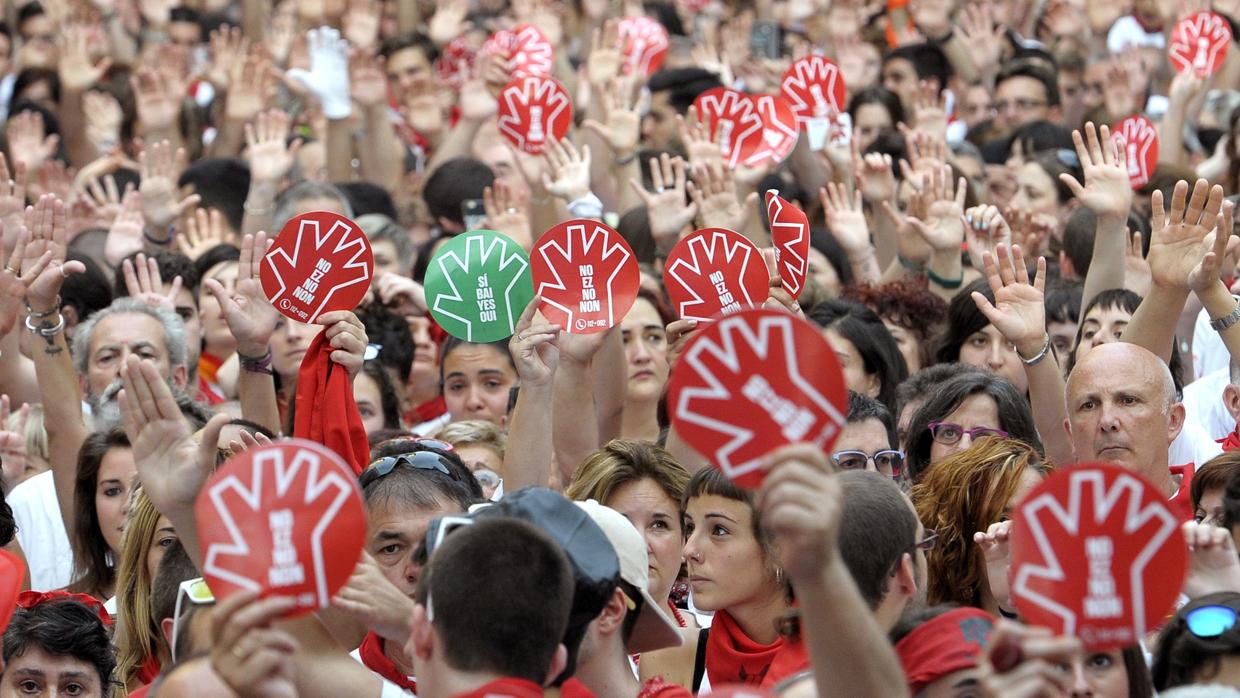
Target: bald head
[1122, 409]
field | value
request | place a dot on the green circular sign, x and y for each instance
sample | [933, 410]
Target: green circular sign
[478, 284]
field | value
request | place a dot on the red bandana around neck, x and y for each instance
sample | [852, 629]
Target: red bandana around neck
[731, 657]
[326, 412]
[505, 688]
[373, 657]
[1231, 442]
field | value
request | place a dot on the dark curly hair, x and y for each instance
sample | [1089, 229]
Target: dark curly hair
[907, 303]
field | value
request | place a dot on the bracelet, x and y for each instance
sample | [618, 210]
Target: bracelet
[46, 313]
[1228, 320]
[46, 331]
[256, 210]
[621, 162]
[910, 264]
[1037, 358]
[156, 241]
[945, 283]
[588, 206]
[261, 364]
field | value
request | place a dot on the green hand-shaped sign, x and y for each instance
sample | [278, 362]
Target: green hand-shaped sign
[478, 284]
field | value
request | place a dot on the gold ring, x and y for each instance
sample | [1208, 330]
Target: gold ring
[236, 652]
[14, 272]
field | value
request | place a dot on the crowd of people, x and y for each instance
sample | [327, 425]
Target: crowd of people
[1008, 290]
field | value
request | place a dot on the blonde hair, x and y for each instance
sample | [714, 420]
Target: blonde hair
[622, 461]
[138, 635]
[474, 432]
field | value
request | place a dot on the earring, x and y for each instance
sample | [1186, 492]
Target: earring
[779, 575]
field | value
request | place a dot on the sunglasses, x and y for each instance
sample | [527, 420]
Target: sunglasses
[950, 434]
[419, 460]
[1210, 621]
[888, 461]
[199, 594]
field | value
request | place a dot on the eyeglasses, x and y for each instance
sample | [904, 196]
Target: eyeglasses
[1020, 104]
[950, 434]
[1210, 621]
[199, 594]
[888, 461]
[929, 538]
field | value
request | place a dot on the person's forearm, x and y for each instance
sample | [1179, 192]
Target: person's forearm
[683, 453]
[458, 143]
[808, 169]
[957, 53]
[408, 17]
[256, 392]
[1219, 303]
[886, 237]
[574, 435]
[865, 267]
[73, 129]
[626, 198]
[339, 145]
[848, 651]
[229, 139]
[259, 208]
[611, 375]
[322, 668]
[62, 410]
[1106, 269]
[529, 450]
[1153, 325]
[382, 153]
[946, 273]
[254, 19]
[1046, 391]
[1171, 135]
[17, 376]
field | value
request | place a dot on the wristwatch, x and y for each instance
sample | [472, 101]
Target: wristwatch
[1227, 321]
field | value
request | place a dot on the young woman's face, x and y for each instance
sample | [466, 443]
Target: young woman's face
[977, 410]
[645, 349]
[855, 376]
[872, 119]
[216, 336]
[369, 401]
[727, 567]
[657, 516]
[1098, 674]
[386, 258]
[288, 346]
[909, 344]
[988, 349]
[821, 271]
[37, 672]
[116, 478]
[165, 536]
[476, 382]
[1101, 326]
[1035, 190]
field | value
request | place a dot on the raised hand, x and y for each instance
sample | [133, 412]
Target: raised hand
[982, 36]
[13, 457]
[703, 151]
[144, 283]
[995, 543]
[401, 291]
[668, 205]
[802, 507]
[203, 230]
[448, 21]
[103, 198]
[1218, 246]
[229, 48]
[76, 69]
[506, 214]
[569, 170]
[620, 127]
[360, 24]
[266, 140]
[248, 651]
[44, 256]
[157, 98]
[103, 121]
[161, 167]
[1177, 236]
[1026, 661]
[249, 315]
[347, 336]
[1136, 268]
[927, 152]
[930, 110]
[939, 211]
[253, 87]
[375, 602]
[533, 348]
[16, 277]
[328, 77]
[1107, 191]
[845, 219]
[714, 192]
[1019, 310]
[12, 194]
[985, 229]
[367, 83]
[125, 233]
[1212, 562]
[909, 244]
[29, 144]
[605, 59]
[876, 180]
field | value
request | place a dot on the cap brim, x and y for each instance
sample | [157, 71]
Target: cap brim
[655, 629]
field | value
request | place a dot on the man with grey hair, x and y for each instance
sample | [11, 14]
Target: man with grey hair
[1122, 409]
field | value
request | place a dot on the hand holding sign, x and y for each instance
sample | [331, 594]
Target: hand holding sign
[284, 520]
[753, 382]
[478, 284]
[320, 262]
[586, 275]
[1137, 140]
[524, 51]
[532, 111]
[814, 87]
[715, 271]
[1096, 553]
[790, 235]
[1199, 43]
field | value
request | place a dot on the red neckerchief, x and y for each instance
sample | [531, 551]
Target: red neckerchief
[431, 409]
[326, 412]
[208, 392]
[1231, 442]
[505, 688]
[731, 657]
[574, 688]
[1182, 502]
[373, 657]
[659, 688]
[149, 670]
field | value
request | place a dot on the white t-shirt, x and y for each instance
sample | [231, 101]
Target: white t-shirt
[1203, 403]
[1209, 352]
[41, 533]
[1193, 445]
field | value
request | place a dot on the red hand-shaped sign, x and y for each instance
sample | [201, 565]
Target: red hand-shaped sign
[753, 382]
[645, 44]
[734, 123]
[790, 235]
[320, 262]
[1097, 553]
[284, 519]
[1199, 43]
[715, 271]
[533, 111]
[1138, 138]
[455, 62]
[524, 49]
[814, 87]
[12, 574]
[779, 130]
[586, 275]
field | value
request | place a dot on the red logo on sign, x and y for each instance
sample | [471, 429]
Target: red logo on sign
[1199, 43]
[645, 44]
[12, 574]
[753, 382]
[284, 519]
[321, 261]
[1138, 138]
[779, 130]
[533, 111]
[734, 122]
[455, 62]
[790, 235]
[814, 87]
[715, 271]
[586, 275]
[524, 49]
[1096, 553]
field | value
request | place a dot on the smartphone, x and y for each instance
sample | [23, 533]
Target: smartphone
[474, 214]
[764, 40]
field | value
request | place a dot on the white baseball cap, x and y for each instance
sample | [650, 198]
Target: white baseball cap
[654, 628]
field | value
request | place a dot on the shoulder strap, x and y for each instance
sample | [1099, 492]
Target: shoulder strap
[699, 660]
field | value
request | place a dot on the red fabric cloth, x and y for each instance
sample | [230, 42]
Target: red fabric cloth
[208, 387]
[149, 670]
[574, 688]
[731, 657]
[326, 412]
[505, 688]
[431, 409]
[1231, 442]
[371, 652]
[943, 645]
[1182, 502]
[658, 688]
[140, 692]
[30, 599]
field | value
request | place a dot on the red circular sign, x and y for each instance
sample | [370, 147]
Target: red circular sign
[1097, 553]
[734, 122]
[533, 111]
[645, 44]
[455, 62]
[320, 262]
[753, 382]
[12, 574]
[814, 87]
[1199, 43]
[713, 271]
[586, 274]
[524, 49]
[284, 519]
[790, 236]
[779, 130]
[1138, 138]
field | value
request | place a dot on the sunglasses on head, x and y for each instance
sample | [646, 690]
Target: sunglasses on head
[199, 594]
[418, 460]
[1210, 621]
